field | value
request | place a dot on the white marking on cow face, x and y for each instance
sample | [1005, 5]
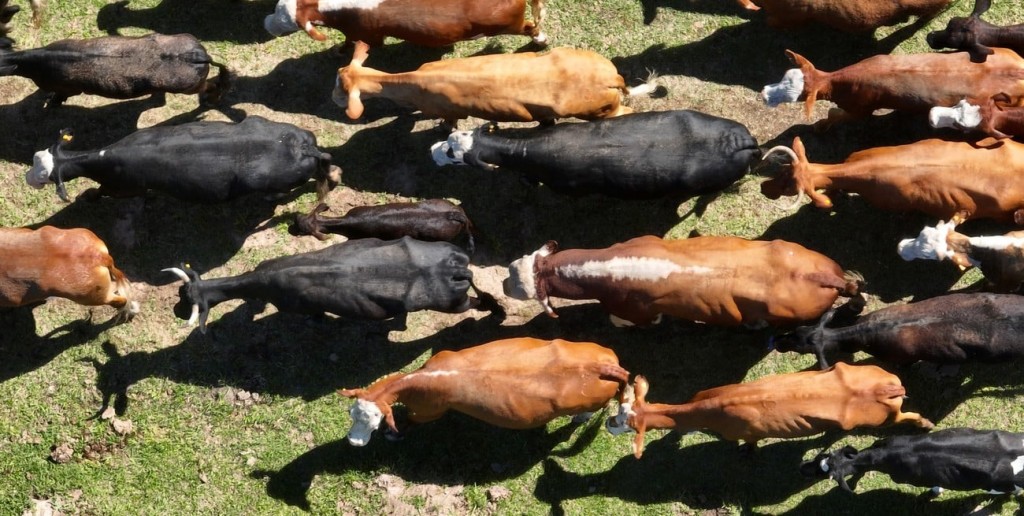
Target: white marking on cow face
[996, 243]
[618, 425]
[283, 20]
[637, 268]
[929, 245]
[824, 465]
[366, 417]
[521, 283]
[788, 90]
[337, 5]
[1018, 464]
[452, 151]
[103, 153]
[937, 490]
[961, 116]
[42, 166]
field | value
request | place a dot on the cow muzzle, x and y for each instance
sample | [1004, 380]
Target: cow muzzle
[42, 166]
[283, 20]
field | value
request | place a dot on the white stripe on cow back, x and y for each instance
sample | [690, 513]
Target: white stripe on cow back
[996, 243]
[637, 268]
[429, 374]
[337, 5]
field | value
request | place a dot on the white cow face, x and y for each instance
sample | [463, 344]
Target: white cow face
[521, 283]
[961, 116]
[366, 417]
[283, 20]
[453, 151]
[789, 90]
[929, 245]
[42, 166]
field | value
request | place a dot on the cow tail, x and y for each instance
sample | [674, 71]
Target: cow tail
[853, 283]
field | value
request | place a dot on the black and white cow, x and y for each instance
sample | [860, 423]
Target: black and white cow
[432, 220]
[359, 279]
[634, 156]
[198, 161]
[946, 329]
[116, 67]
[960, 459]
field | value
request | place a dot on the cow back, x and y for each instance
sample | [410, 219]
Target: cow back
[37, 264]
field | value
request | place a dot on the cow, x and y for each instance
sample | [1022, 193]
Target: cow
[716, 280]
[977, 36]
[70, 263]
[784, 406]
[432, 220]
[948, 329]
[940, 178]
[684, 153]
[198, 161]
[912, 82]
[523, 87]
[960, 459]
[360, 279]
[992, 117]
[1000, 258]
[848, 16]
[437, 23]
[115, 67]
[513, 383]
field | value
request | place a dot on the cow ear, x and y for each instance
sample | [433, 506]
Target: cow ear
[359, 55]
[980, 7]
[389, 417]
[640, 388]
[848, 452]
[351, 393]
[355, 105]
[979, 52]
[638, 440]
[550, 247]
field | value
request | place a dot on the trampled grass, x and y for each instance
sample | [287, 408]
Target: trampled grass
[244, 419]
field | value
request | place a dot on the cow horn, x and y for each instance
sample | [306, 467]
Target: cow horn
[177, 272]
[194, 316]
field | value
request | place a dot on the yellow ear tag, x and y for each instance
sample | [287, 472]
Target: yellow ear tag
[66, 137]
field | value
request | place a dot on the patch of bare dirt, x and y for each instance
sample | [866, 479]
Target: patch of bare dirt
[62, 453]
[401, 499]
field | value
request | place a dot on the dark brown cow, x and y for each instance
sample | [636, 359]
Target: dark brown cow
[845, 15]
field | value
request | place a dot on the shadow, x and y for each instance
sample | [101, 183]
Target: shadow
[24, 351]
[711, 7]
[840, 140]
[702, 476]
[726, 56]
[887, 501]
[242, 20]
[936, 391]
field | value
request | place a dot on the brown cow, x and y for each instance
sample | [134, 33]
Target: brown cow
[941, 178]
[845, 15]
[434, 23]
[1000, 258]
[523, 87]
[992, 117]
[786, 405]
[69, 263]
[914, 82]
[717, 280]
[512, 383]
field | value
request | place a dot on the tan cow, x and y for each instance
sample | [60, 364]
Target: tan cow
[523, 87]
[512, 383]
[69, 263]
[786, 405]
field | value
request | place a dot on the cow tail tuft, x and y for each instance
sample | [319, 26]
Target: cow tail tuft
[854, 284]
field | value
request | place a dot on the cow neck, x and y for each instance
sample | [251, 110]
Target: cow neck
[70, 165]
[1011, 36]
[388, 390]
[491, 149]
[685, 417]
[551, 280]
[249, 285]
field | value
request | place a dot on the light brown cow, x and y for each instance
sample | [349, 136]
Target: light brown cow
[434, 23]
[846, 15]
[914, 82]
[1000, 258]
[718, 280]
[513, 383]
[786, 405]
[69, 263]
[941, 178]
[522, 87]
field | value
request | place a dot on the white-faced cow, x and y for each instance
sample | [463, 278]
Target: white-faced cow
[640, 155]
[360, 279]
[513, 383]
[1000, 257]
[198, 161]
[959, 459]
[68, 263]
[435, 23]
[947, 329]
[717, 280]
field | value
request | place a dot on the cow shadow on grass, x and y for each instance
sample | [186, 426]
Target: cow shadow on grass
[877, 501]
[25, 351]
[208, 20]
[712, 7]
[704, 476]
[725, 57]
[835, 144]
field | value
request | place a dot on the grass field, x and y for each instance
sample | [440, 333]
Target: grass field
[244, 419]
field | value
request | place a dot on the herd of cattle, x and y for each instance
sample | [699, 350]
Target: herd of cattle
[399, 257]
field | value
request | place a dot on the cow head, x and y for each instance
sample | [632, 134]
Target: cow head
[963, 116]
[453, 151]
[366, 416]
[46, 166]
[630, 416]
[962, 34]
[799, 181]
[522, 277]
[787, 90]
[348, 87]
[933, 244]
[836, 465]
[283, 21]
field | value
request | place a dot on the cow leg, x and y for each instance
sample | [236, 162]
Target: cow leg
[835, 116]
[913, 418]
[539, 12]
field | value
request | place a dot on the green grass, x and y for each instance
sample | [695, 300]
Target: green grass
[203, 442]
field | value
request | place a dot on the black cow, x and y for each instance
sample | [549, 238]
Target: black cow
[947, 329]
[359, 279]
[433, 220]
[976, 36]
[961, 459]
[635, 156]
[198, 161]
[118, 67]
